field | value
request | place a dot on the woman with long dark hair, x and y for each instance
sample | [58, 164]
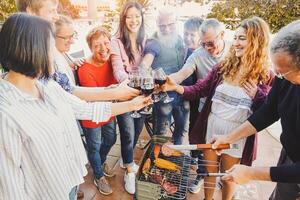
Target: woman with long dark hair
[42, 155]
[126, 55]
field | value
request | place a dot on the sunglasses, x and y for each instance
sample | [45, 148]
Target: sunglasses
[211, 43]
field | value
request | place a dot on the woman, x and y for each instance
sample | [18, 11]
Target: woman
[65, 69]
[97, 72]
[234, 89]
[42, 156]
[126, 55]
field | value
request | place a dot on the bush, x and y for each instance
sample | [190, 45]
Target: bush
[277, 13]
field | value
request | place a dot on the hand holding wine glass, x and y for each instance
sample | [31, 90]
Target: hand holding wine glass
[160, 78]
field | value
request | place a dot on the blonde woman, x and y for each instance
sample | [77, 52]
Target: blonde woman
[234, 89]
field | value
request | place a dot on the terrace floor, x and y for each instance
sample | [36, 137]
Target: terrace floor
[268, 153]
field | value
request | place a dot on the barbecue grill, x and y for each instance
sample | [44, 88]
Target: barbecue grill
[147, 190]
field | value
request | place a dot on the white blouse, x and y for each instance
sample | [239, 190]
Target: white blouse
[41, 152]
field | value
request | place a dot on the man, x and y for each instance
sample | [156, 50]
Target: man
[165, 50]
[212, 50]
[282, 103]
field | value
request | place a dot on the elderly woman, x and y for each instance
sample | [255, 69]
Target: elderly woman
[234, 89]
[42, 156]
[65, 72]
[97, 72]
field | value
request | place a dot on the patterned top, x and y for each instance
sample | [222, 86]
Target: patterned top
[41, 152]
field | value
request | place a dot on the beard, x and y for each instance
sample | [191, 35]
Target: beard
[168, 41]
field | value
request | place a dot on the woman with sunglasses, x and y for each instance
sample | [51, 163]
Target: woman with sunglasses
[234, 89]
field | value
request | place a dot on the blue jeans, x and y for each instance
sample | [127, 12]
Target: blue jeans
[130, 129]
[163, 112]
[99, 142]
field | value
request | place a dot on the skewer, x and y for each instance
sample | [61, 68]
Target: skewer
[212, 174]
[202, 146]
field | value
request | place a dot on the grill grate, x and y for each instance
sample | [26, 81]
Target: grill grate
[178, 179]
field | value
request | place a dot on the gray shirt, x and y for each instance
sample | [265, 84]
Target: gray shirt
[202, 62]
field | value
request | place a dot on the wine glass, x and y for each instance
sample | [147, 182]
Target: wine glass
[147, 88]
[160, 78]
[134, 82]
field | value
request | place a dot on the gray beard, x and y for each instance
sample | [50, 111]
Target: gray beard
[169, 41]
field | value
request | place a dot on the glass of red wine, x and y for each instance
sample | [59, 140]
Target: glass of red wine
[160, 78]
[147, 88]
[135, 82]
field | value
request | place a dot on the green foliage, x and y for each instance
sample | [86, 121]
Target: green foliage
[65, 7]
[277, 13]
[145, 3]
[7, 7]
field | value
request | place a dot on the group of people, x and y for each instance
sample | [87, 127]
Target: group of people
[223, 92]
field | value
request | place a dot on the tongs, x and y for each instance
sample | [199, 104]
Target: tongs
[201, 146]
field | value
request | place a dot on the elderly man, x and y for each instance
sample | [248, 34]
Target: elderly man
[212, 50]
[282, 103]
[165, 49]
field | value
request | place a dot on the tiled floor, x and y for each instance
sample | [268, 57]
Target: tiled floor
[268, 152]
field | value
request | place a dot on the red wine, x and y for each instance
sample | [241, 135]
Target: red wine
[147, 92]
[147, 89]
[160, 81]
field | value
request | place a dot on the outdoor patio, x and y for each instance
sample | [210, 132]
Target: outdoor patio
[268, 152]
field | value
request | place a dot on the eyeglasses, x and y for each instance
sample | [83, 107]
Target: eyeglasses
[68, 38]
[164, 26]
[210, 43]
[281, 76]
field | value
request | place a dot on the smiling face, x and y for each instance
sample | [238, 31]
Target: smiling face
[100, 48]
[48, 11]
[240, 42]
[191, 38]
[283, 65]
[65, 37]
[133, 20]
[213, 41]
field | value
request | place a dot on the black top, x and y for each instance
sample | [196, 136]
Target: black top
[283, 102]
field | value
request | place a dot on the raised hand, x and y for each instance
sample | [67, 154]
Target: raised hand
[250, 88]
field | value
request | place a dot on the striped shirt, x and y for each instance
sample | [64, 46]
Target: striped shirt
[41, 153]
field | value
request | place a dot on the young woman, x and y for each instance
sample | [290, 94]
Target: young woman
[234, 89]
[100, 137]
[42, 155]
[126, 55]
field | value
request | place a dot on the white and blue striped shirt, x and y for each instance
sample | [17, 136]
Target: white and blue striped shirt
[41, 153]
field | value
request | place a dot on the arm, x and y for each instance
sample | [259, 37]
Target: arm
[152, 50]
[11, 177]
[243, 174]
[202, 87]
[121, 93]
[285, 173]
[100, 111]
[117, 62]
[188, 68]
[182, 74]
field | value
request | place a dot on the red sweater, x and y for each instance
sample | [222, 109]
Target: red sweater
[95, 76]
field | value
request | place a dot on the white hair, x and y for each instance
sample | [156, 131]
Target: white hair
[165, 11]
[211, 23]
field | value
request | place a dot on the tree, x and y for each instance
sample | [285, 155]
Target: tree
[7, 7]
[145, 3]
[65, 7]
[277, 13]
